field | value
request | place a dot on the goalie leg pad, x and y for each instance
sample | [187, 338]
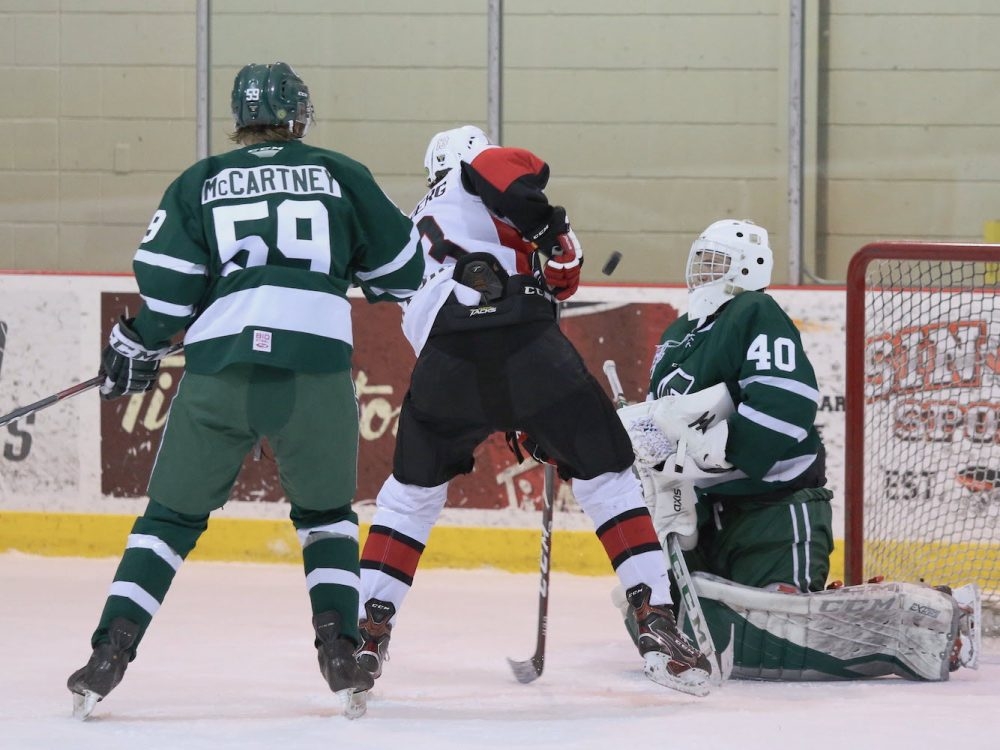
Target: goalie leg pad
[855, 632]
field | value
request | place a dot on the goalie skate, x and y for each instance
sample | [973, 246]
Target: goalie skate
[970, 630]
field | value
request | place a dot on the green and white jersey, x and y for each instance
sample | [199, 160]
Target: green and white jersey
[753, 347]
[253, 252]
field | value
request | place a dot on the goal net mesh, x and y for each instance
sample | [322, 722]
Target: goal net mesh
[929, 472]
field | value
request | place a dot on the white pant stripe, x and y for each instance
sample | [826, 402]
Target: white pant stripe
[796, 572]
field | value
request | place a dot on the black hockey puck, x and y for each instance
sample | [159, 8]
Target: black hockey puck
[611, 263]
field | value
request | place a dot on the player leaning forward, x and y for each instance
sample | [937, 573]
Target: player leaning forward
[761, 532]
[252, 252]
[491, 358]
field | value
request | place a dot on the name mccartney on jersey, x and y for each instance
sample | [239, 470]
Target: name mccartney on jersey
[307, 179]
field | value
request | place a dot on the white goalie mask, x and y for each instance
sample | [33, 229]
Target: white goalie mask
[729, 257]
[450, 147]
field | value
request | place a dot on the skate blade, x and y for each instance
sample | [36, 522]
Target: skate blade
[83, 705]
[693, 681]
[355, 703]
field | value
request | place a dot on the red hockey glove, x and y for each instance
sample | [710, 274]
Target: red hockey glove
[562, 272]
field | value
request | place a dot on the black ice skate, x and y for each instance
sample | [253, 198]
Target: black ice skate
[336, 656]
[375, 631]
[105, 668]
[670, 658]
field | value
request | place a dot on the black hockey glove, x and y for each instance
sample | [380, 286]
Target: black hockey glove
[128, 366]
[546, 237]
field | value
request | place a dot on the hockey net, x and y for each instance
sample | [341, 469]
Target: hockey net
[922, 481]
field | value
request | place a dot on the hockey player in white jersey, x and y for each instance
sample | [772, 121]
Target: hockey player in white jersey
[491, 358]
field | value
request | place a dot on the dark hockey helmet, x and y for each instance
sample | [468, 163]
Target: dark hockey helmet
[271, 95]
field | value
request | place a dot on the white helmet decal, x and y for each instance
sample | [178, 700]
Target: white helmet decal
[729, 257]
[450, 147]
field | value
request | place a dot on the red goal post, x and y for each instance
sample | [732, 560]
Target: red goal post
[922, 443]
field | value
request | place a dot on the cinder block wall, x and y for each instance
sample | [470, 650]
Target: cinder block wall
[656, 117]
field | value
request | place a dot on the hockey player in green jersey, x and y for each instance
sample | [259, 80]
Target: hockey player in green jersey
[771, 482]
[731, 461]
[251, 254]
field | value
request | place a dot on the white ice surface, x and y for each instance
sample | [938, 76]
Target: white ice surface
[229, 663]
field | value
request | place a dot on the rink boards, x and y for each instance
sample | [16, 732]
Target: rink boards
[73, 476]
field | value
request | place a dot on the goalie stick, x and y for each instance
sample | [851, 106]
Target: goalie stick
[722, 664]
[73, 390]
[531, 669]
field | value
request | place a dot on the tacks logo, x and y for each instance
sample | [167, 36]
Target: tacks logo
[485, 310]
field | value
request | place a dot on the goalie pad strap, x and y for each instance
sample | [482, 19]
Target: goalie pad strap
[869, 630]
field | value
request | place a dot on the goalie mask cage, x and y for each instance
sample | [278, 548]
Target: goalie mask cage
[922, 444]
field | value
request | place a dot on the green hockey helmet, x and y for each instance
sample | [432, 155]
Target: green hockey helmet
[271, 95]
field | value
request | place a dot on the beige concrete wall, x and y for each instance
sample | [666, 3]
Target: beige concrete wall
[912, 123]
[656, 116]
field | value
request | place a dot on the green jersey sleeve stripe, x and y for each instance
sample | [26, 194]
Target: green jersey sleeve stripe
[168, 308]
[275, 308]
[786, 471]
[772, 423]
[786, 384]
[170, 263]
[404, 256]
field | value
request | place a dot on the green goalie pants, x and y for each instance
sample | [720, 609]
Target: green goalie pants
[762, 543]
[310, 421]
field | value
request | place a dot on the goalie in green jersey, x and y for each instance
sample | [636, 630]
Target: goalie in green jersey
[731, 461]
[251, 254]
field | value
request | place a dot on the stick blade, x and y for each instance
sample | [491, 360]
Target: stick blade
[527, 671]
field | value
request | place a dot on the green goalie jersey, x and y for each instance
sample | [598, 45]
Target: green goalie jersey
[753, 347]
[253, 251]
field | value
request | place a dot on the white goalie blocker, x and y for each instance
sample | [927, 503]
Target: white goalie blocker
[872, 630]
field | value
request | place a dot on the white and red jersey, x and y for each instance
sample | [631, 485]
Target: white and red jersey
[486, 206]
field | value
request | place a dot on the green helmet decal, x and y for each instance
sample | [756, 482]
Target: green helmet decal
[271, 95]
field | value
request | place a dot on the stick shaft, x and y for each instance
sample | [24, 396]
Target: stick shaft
[530, 670]
[73, 390]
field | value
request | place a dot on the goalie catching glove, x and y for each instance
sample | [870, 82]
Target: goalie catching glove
[696, 424]
[672, 429]
[127, 365]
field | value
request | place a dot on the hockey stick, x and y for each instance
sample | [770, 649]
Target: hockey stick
[531, 669]
[24, 411]
[73, 390]
[722, 664]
